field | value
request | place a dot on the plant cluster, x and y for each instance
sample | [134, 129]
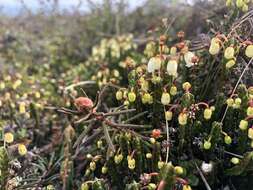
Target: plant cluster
[169, 113]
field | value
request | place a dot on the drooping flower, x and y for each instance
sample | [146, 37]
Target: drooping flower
[239, 3]
[229, 52]
[131, 162]
[118, 158]
[168, 115]
[178, 170]
[206, 167]
[104, 170]
[243, 124]
[173, 51]
[227, 139]
[230, 102]
[172, 68]
[250, 133]
[250, 111]
[119, 95]
[154, 64]
[186, 86]
[235, 160]
[160, 164]
[187, 187]
[249, 51]
[207, 113]
[188, 57]
[148, 155]
[182, 118]
[165, 99]
[214, 47]
[22, 149]
[22, 107]
[147, 98]
[207, 145]
[93, 166]
[230, 64]
[8, 137]
[131, 96]
[173, 90]
[245, 7]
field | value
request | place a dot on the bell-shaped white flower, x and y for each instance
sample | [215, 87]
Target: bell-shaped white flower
[206, 167]
[172, 67]
[188, 57]
[165, 99]
[154, 64]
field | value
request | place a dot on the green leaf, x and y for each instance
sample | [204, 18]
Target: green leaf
[193, 180]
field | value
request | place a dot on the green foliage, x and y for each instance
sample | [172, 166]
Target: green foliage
[87, 105]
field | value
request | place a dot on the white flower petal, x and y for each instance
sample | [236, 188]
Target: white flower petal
[154, 64]
[172, 67]
[188, 58]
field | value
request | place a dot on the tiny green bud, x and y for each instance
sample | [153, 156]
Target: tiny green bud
[178, 170]
[182, 118]
[230, 102]
[88, 156]
[118, 158]
[250, 111]
[99, 143]
[235, 160]
[239, 3]
[148, 155]
[207, 145]
[168, 115]
[214, 48]
[104, 170]
[126, 103]
[152, 140]
[207, 113]
[151, 186]
[238, 101]
[146, 98]
[92, 165]
[131, 96]
[229, 52]
[173, 90]
[160, 164]
[165, 99]
[119, 95]
[85, 186]
[249, 51]
[243, 125]
[227, 139]
[186, 86]
[250, 133]
[131, 163]
[230, 64]
[245, 8]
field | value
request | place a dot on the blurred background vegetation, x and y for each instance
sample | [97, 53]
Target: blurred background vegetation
[68, 34]
[50, 45]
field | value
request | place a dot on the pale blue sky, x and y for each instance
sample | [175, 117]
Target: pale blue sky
[13, 6]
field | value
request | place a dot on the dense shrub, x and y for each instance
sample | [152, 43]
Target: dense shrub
[164, 110]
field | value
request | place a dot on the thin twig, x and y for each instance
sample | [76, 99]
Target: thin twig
[108, 138]
[135, 117]
[233, 154]
[203, 177]
[168, 137]
[119, 112]
[79, 84]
